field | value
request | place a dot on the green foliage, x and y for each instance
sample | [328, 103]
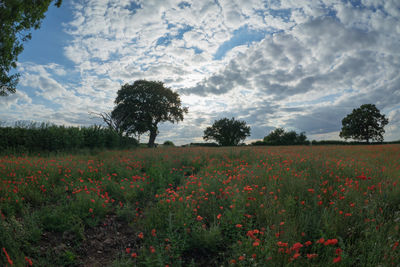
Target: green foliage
[46, 137]
[169, 143]
[203, 144]
[17, 17]
[279, 137]
[364, 123]
[61, 220]
[142, 105]
[123, 260]
[227, 132]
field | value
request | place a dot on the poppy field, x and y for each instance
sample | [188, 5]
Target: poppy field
[234, 206]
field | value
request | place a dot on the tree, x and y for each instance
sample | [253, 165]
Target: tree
[142, 105]
[275, 137]
[227, 132]
[112, 123]
[280, 137]
[17, 17]
[364, 123]
[168, 143]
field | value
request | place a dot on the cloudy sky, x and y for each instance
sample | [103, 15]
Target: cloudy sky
[298, 64]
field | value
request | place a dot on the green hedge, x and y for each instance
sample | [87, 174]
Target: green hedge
[46, 137]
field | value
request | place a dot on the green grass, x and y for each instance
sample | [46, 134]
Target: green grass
[244, 206]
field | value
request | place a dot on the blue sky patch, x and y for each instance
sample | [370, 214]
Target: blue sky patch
[44, 47]
[184, 4]
[241, 36]
[166, 39]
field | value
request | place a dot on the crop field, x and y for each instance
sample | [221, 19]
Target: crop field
[236, 206]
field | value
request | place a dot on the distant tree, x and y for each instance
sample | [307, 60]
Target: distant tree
[364, 123]
[168, 143]
[227, 132]
[142, 105]
[302, 138]
[275, 137]
[280, 137]
[17, 17]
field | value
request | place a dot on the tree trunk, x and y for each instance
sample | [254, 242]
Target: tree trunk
[152, 138]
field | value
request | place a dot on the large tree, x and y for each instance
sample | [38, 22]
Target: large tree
[17, 17]
[227, 132]
[364, 123]
[141, 106]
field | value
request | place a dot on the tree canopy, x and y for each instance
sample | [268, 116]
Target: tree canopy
[364, 123]
[280, 137]
[142, 105]
[227, 132]
[17, 17]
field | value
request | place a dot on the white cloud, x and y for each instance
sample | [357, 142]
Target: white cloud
[15, 99]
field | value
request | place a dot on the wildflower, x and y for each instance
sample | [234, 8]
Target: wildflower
[134, 255]
[128, 250]
[338, 251]
[239, 225]
[296, 247]
[256, 243]
[396, 244]
[91, 210]
[152, 249]
[140, 235]
[296, 255]
[337, 259]
[308, 243]
[28, 261]
[7, 256]
[153, 232]
[321, 241]
[331, 242]
[254, 256]
[199, 218]
[219, 216]
[241, 258]
[311, 256]
[281, 244]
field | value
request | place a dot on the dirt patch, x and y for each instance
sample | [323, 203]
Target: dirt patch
[105, 242]
[101, 245]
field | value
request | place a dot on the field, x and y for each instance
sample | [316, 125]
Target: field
[243, 206]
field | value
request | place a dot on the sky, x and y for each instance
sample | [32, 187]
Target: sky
[301, 65]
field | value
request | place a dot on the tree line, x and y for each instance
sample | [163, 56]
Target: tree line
[141, 106]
